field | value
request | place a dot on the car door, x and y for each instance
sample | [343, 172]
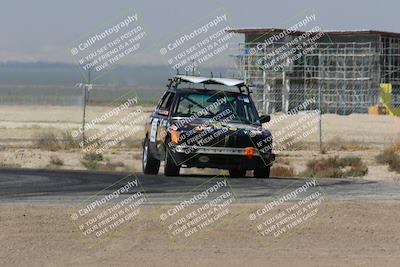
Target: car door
[158, 125]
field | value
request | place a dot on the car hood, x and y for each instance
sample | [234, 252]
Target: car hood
[203, 123]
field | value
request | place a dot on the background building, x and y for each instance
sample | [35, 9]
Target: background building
[344, 69]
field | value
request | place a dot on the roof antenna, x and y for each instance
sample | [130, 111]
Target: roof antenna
[212, 76]
[193, 68]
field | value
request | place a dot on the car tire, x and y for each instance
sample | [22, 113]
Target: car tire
[237, 173]
[150, 165]
[262, 172]
[170, 167]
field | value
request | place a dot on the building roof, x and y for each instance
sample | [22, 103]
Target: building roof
[353, 32]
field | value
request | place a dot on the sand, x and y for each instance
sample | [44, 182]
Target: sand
[344, 233]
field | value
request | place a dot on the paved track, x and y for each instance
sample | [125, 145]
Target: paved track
[66, 187]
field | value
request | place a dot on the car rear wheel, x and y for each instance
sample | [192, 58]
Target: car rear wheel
[170, 167]
[236, 173]
[150, 165]
[262, 172]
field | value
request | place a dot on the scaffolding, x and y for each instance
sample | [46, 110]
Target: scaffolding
[391, 67]
[347, 75]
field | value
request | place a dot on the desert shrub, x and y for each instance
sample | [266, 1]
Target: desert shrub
[68, 141]
[390, 157]
[50, 141]
[90, 160]
[54, 160]
[395, 146]
[394, 164]
[92, 156]
[9, 165]
[282, 171]
[386, 156]
[92, 143]
[335, 167]
[47, 141]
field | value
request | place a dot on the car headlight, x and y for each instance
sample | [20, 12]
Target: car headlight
[175, 137]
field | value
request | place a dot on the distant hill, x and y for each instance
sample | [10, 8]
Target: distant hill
[53, 83]
[69, 74]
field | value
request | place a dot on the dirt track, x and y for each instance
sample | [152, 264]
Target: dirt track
[344, 233]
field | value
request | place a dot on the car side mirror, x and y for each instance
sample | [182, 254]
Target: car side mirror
[265, 118]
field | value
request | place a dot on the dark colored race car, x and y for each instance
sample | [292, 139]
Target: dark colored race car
[208, 123]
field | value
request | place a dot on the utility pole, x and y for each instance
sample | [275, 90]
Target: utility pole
[85, 93]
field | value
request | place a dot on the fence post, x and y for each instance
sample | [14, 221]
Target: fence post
[320, 118]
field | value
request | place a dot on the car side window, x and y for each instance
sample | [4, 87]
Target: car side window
[166, 103]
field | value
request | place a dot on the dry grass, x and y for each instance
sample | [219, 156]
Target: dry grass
[396, 146]
[91, 160]
[94, 161]
[282, 171]
[50, 141]
[291, 145]
[9, 165]
[137, 156]
[280, 159]
[110, 166]
[55, 160]
[69, 142]
[47, 141]
[339, 144]
[335, 167]
[391, 157]
[131, 142]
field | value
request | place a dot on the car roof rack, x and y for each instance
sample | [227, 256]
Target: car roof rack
[178, 79]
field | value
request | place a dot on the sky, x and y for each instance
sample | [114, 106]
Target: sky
[47, 30]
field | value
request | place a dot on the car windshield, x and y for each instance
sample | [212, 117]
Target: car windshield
[212, 105]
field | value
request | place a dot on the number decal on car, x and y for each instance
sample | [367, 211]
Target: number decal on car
[153, 130]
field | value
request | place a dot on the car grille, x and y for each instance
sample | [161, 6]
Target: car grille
[233, 140]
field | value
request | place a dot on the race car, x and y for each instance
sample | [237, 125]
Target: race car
[207, 123]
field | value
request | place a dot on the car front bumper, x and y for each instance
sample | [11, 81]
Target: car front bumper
[221, 157]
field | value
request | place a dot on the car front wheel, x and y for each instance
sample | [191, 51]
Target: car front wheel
[170, 167]
[150, 165]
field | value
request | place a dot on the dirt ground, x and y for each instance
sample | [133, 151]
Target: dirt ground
[131, 159]
[21, 122]
[364, 135]
[342, 233]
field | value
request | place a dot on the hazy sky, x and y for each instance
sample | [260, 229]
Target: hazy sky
[46, 30]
